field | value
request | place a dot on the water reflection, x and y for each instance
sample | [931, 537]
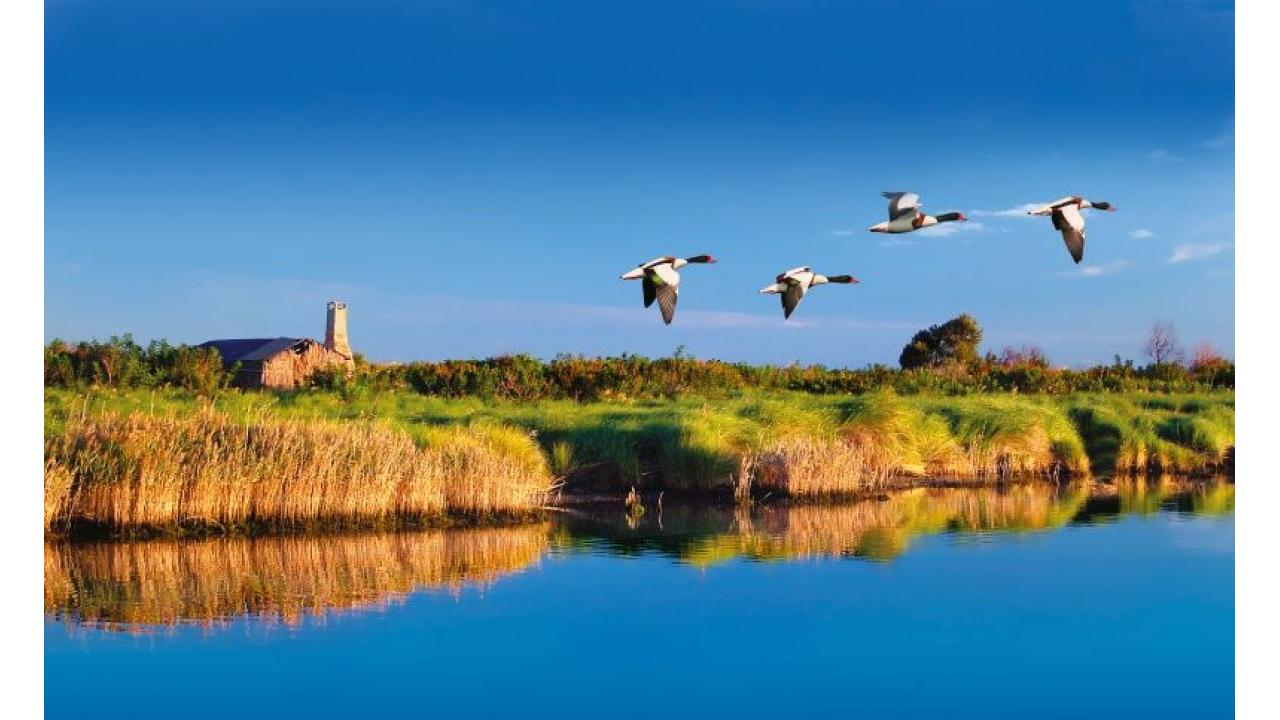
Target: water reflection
[876, 529]
[139, 585]
[279, 579]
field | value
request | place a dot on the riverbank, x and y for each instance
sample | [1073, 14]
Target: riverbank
[168, 458]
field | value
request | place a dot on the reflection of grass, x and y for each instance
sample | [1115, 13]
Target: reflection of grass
[1142, 496]
[884, 529]
[1215, 499]
[283, 578]
[798, 444]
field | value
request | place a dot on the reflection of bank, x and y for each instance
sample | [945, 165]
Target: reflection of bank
[279, 579]
[1127, 496]
[878, 529]
[285, 579]
[873, 529]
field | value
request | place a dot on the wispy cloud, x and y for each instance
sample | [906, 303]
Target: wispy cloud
[1019, 211]
[1224, 139]
[1142, 234]
[411, 311]
[953, 228]
[842, 233]
[1161, 155]
[1196, 251]
[893, 241]
[1093, 271]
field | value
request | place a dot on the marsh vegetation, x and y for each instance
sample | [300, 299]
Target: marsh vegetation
[123, 458]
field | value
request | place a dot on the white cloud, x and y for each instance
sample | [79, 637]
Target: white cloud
[842, 233]
[1225, 139]
[1195, 251]
[1019, 211]
[1142, 234]
[951, 228]
[1092, 271]
[1161, 155]
[898, 242]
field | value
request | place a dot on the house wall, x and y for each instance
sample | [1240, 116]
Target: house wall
[288, 369]
[249, 375]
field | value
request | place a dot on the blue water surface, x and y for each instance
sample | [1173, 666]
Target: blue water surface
[1132, 617]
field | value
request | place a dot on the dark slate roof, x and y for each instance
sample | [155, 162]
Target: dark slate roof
[250, 349]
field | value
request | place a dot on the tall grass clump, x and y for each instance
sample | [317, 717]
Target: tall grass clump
[1140, 435]
[144, 470]
[1002, 436]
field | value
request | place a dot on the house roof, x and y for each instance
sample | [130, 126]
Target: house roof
[249, 349]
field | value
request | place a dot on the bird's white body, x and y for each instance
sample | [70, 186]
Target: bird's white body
[795, 283]
[905, 224]
[662, 282]
[1068, 220]
[905, 215]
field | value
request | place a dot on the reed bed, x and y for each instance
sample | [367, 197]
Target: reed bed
[1155, 434]
[286, 579]
[157, 470]
[753, 443]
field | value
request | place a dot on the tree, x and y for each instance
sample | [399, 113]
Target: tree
[953, 342]
[1206, 357]
[1162, 345]
[1025, 356]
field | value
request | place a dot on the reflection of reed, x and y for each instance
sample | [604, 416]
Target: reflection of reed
[282, 578]
[882, 529]
[1147, 496]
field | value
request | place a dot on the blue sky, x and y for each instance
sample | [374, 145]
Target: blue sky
[472, 177]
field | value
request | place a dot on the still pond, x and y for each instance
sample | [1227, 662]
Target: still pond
[1033, 600]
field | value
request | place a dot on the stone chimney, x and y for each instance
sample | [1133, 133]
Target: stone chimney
[335, 329]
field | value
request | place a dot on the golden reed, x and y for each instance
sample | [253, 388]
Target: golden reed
[864, 462]
[205, 468]
[282, 579]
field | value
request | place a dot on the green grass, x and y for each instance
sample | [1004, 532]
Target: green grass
[789, 442]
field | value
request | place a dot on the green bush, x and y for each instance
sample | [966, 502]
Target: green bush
[120, 362]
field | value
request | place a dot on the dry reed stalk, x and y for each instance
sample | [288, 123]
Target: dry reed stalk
[282, 579]
[143, 470]
[1006, 454]
[57, 491]
[806, 467]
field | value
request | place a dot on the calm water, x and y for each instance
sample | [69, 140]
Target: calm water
[1029, 602]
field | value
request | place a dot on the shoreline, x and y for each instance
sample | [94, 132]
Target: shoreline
[571, 504]
[149, 463]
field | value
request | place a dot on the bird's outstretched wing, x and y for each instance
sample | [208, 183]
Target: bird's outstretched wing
[791, 298]
[667, 295]
[650, 291]
[1068, 220]
[1048, 208]
[902, 203]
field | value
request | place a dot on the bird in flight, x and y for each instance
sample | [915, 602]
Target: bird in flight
[905, 215]
[662, 282]
[1068, 220]
[794, 283]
